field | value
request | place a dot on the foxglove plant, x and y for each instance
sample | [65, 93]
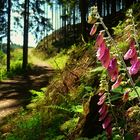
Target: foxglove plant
[110, 64]
[104, 56]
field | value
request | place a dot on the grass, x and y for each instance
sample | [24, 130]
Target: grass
[25, 127]
[58, 61]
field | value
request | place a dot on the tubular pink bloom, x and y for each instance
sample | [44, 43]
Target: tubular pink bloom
[105, 60]
[137, 137]
[102, 117]
[101, 93]
[106, 122]
[135, 68]
[102, 99]
[109, 130]
[103, 109]
[101, 50]
[117, 83]
[113, 69]
[132, 50]
[100, 39]
[134, 59]
[130, 53]
[93, 30]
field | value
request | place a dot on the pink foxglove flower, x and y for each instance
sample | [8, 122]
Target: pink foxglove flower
[100, 39]
[103, 109]
[102, 117]
[117, 83]
[113, 69]
[105, 60]
[93, 29]
[137, 137]
[135, 68]
[102, 99]
[106, 122]
[134, 59]
[101, 93]
[109, 130]
[101, 50]
[131, 52]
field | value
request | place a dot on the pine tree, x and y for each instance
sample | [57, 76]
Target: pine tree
[8, 35]
[25, 39]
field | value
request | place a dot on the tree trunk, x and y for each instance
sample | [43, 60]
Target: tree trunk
[55, 21]
[104, 7]
[74, 37]
[99, 4]
[128, 3]
[8, 35]
[25, 40]
[52, 22]
[113, 7]
[108, 6]
[123, 4]
[83, 10]
[64, 24]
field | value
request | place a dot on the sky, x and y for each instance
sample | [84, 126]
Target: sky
[17, 37]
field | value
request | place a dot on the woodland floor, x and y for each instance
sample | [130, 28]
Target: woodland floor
[14, 93]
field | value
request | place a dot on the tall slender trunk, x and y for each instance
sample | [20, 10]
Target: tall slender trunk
[99, 4]
[44, 27]
[64, 24]
[108, 6]
[123, 4]
[104, 7]
[8, 35]
[47, 31]
[55, 21]
[52, 22]
[83, 10]
[74, 37]
[128, 3]
[61, 21]
[25, 39]
[113, 7]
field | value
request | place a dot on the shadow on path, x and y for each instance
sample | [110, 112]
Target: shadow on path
[14, 93]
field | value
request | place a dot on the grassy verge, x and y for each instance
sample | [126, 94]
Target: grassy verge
[58, 61]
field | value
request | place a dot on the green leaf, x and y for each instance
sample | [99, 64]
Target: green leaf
[128, 136]
[77, 109]
[97, 70]
[133, 94]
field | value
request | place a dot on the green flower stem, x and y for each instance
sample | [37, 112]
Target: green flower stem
[135, 34]
[113, 114]
[111, 106]
[120, 55]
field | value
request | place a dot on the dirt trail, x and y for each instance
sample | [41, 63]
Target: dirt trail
[14, 93]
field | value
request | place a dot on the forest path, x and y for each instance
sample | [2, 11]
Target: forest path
[15, 93]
